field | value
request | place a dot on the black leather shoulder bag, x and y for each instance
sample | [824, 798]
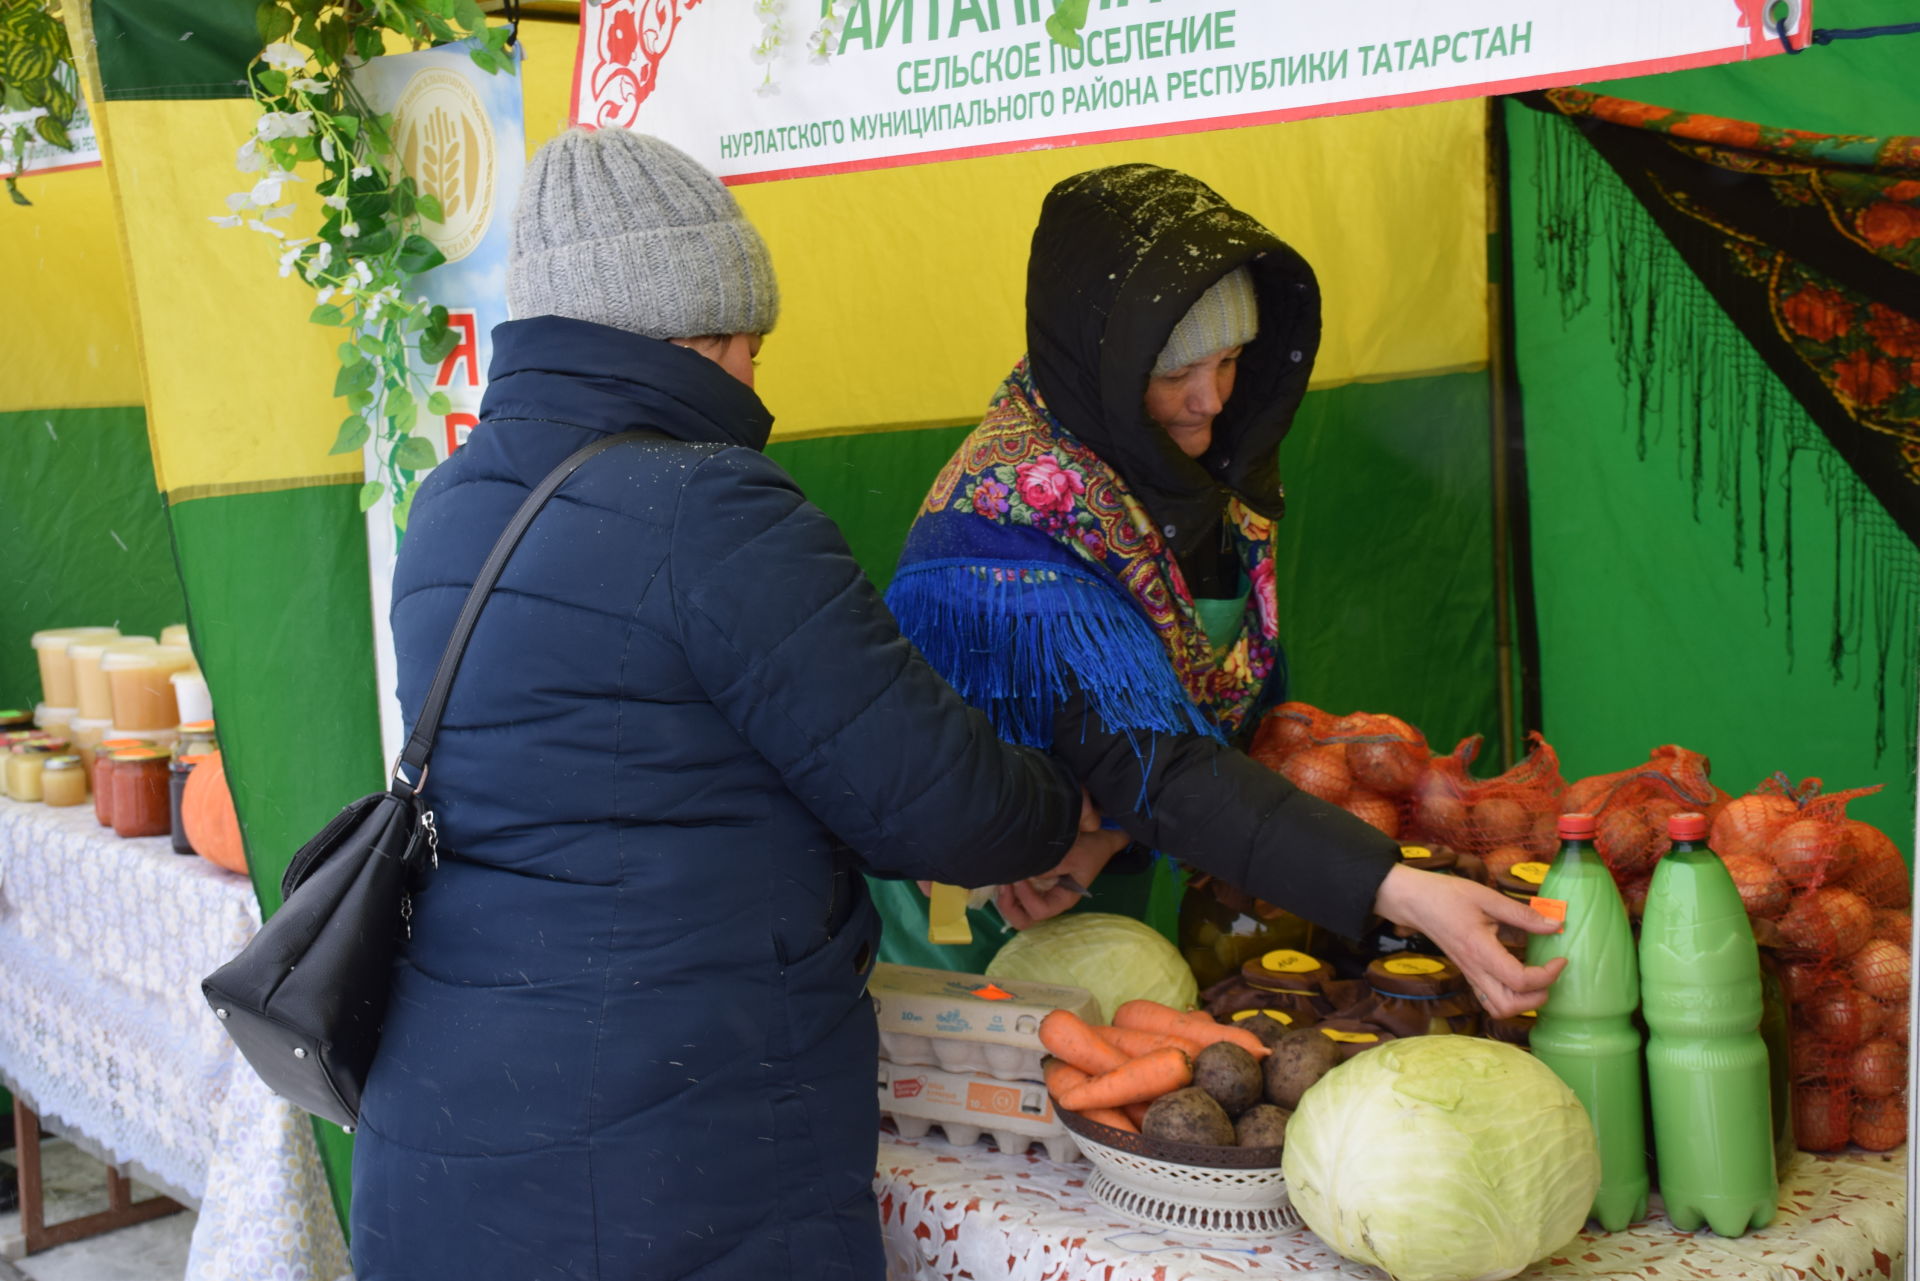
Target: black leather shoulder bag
[305, 999]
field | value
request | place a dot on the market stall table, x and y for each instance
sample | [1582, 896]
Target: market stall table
[103, 1032]
[949, 1212]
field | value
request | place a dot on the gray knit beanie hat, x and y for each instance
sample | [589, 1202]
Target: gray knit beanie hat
[625, 230]
[1227, 315]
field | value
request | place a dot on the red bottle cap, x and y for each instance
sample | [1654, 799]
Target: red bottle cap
[1576, 827]
[1687, 827]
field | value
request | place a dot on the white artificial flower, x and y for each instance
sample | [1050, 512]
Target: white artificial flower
[323, 256]
[327, 153]
[251, 158]
[276, 213]
[224, 220]
[284, 124]
[334, 202]
[323, 297]
[275, 232]
[768, 89]
[350, 229]
[290, 256]
[362, 171]
[239, 200]
[267, 190]
[307, 84]
[363, 273]
[284, 57]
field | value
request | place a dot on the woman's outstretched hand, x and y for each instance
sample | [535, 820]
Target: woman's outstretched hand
[1461, 916]
[1040, 898]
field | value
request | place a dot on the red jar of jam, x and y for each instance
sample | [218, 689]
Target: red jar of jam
[141, 805]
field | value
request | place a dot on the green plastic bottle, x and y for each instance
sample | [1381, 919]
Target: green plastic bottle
[1585, 1031]
[1707, 1066]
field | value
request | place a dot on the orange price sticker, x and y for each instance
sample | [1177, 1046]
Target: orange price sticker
[992, 992]
[1554, 909]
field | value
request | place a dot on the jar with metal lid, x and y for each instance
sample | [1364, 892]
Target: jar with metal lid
[24, 764]
[181, 768]
[1521, 882]
[1291, 981]
[196, 739]
[1420, 996]
[1354, 1036]
[15, 718]
[63, 782]
[140, 792]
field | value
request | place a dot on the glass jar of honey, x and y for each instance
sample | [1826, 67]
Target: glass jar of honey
[24, 764]
[63, 782]
[140, 792]
[13, 719]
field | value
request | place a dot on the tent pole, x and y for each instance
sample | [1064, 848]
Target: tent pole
[1515, 626]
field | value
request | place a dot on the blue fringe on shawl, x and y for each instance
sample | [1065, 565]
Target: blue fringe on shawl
[1007, 633]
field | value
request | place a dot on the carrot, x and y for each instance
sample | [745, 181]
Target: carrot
[1137, 1112]
[1133, 1042]
[1107, 1116]
[1151, 1016]
[1062, 1076]
[1144, 1078]
[1067, 1036]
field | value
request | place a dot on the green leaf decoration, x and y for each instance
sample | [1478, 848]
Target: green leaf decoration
[22, 60]
[468, 15]
[429, 206]
[437, 345]
[1064, 24]
[371, 493]
[415, 454]
[360, 401]
[439, 405]
[352, 378]
[404, 508]
[418, 254]
[486, 60]
[354, 433]
[326, 314]
[271, 82]
[53, 132]
[351, 354]
[273, 22]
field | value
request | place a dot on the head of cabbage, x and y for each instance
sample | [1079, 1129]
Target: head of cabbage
[1116, 958]
[1442, 1158]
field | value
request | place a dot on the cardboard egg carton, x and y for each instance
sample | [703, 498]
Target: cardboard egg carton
[967, 1022]
[1014, 1114]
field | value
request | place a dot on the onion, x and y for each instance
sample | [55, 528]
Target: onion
[1822, 1118]
[1287, 729]
[1391, 768]
[1499, 821]
[1634, 895]
[1893, 926]
[1375, 809]
[1832, 922]
[1745, 824]
[1625, 841]
[1438, 812]
[1845, 1017]
[1321, 771]
[1804, 982]
[1805, 852]
[1586, 796]
[1882, 969]
[1894, 1020]
[1544, 840]
[1878, 874]
[1880, 1125]
[1501, 858]
[1813, 1057]
[1760, 886]
[1879, 1069]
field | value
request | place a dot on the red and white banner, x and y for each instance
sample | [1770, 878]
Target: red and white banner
[763, 89]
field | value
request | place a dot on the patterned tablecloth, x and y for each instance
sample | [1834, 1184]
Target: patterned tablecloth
[950, 1212]
[103, 943]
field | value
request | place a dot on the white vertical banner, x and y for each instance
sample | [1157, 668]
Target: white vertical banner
[461, 134]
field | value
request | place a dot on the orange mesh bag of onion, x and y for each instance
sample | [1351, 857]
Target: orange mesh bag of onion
[1631, 808]
[1367, 763]
[1831, 895]
[1503, 820]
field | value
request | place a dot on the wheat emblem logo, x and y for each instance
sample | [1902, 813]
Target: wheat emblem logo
[448, 146]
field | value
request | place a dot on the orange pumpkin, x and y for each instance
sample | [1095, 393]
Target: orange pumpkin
[206, 811]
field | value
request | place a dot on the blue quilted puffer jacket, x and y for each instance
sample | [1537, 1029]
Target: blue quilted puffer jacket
[629, 1037]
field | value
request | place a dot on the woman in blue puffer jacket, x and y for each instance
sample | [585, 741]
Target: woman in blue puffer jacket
[629, 1038]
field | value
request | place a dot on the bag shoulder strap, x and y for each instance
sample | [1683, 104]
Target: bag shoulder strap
[413, 760]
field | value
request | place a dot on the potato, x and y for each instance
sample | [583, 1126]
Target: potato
[1264, 1126]
[1188, 1116]
[1301, 1059]
[1230, 1074]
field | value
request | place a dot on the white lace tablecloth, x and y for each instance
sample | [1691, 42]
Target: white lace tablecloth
[953, 1213]
[103, 943]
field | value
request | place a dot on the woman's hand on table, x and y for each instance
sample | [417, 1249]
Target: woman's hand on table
[1461, 916]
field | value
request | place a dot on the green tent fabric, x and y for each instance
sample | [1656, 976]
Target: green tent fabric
[1649, 631]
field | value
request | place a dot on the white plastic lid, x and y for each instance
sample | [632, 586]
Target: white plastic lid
[96, 645]
[189, 676]
[174, 634]
[90, 722]
[117, 660]
[41, 711]
[61, 637]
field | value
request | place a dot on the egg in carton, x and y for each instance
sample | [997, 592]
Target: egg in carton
[1014, 1114]
[967, 1022]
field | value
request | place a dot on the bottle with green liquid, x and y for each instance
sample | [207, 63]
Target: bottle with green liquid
[1707, 1065]
[1585, 1031]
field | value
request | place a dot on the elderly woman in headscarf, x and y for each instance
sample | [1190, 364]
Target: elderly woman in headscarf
[1094, 567]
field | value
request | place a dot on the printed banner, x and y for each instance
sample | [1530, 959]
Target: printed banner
[791, 88]
[461, 133]
[41, 155]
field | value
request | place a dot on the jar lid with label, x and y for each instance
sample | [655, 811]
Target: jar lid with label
[12, 718]
[1429, 858]
[1287, 970]
[135, 755]
[59, 763]
[1351, 1036]
[1521, 881]
[1427, 977]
